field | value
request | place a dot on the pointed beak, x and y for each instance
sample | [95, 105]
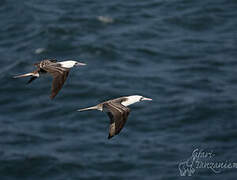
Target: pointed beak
[146, 99]
[80, 64]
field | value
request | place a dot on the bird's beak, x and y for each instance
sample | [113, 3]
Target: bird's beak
[146, 99]
[80, 64]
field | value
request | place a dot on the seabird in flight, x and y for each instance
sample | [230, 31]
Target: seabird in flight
[117, 111]
[59, 71]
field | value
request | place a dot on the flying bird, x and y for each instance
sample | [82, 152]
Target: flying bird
[59, 71]
[117, 111]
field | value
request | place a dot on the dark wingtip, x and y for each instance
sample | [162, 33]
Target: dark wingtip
[31, 79]
[109, 137]
[52, 96]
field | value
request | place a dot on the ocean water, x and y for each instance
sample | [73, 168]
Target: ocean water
[180, 53]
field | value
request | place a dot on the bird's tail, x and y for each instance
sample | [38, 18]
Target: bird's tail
[89, 108]
[24, 75]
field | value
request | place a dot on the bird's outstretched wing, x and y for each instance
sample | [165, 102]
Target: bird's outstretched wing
[59, 74]
[118, 115]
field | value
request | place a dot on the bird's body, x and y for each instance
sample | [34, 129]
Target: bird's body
[59, 71]
[117, 111]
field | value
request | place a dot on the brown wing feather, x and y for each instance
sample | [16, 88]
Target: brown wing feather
[120, 124]
[118, 115]
[59, 77]
[58, 81]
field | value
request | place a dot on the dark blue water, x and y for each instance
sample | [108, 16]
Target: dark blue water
[181, 53]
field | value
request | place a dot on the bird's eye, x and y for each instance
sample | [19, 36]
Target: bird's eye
[141, 99]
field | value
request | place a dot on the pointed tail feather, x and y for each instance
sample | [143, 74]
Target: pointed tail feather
[89, 108]
[24, 75]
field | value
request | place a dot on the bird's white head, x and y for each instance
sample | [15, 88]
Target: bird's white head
[133, 99]
[71, 63]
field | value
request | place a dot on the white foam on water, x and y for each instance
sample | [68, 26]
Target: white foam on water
[40, 50]
[105, 19]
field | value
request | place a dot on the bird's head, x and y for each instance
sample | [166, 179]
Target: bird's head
[79, 63]
[135, 98]
[71, 63]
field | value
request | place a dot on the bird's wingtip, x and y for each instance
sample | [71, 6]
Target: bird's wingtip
[109, 136]
[51, 97]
